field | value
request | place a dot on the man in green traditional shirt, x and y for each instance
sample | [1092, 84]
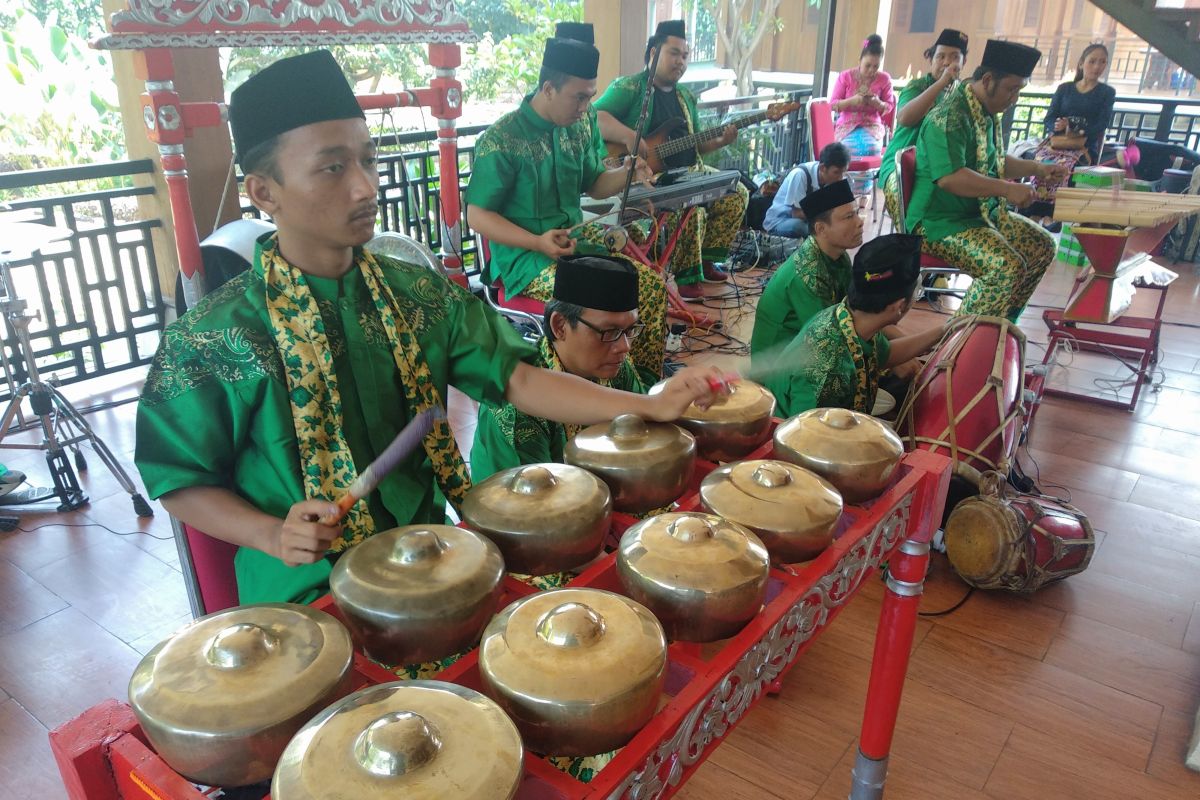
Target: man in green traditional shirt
[710, 230]
[837, 360]
[816, 276]
[530, 168]
[266, 400]
[962, 188]
[589, 326]
[917, 98]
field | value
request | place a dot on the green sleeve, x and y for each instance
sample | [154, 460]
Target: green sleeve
[801, 392]
[619, 99]
[483, 348]
[943, 148]
[172, 456]
[883, 350]
[913, 89]
[492, 180]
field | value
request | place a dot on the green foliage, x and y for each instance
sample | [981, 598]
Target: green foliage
[83, 18]
[498, 66]
[60, 98]
[365, 65]
[492, 16]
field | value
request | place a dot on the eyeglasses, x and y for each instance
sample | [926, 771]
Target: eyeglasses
[611, 335]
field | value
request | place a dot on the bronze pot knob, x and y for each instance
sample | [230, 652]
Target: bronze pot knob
[532, 480]
[398, 743]
[417, 546]
[771, 476]
[241, 645]
[691, 529]
[629, 426]
[839, 418]
[571, 625]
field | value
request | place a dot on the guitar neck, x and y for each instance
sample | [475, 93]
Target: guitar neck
[667, 149]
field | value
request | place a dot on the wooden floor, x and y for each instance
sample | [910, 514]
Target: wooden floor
[1086, 690]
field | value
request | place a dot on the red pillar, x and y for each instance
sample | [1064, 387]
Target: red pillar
[447, 108]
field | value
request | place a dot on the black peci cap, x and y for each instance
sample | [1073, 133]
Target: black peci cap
[289, 94]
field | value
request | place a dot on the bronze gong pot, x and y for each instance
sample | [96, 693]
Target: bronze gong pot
[702, 576]
[544, 517]
[646, 464]
[420, 740]
[855, 452]
[419, 592]
[792, 510]
[220, 699]
[579, 671]
[735, 424]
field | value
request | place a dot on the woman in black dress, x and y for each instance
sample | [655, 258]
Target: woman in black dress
[1086, 104]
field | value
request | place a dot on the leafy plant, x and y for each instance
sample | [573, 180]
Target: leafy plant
[61, 101]
[498, 66]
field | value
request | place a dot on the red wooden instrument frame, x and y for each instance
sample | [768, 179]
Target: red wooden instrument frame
[103, 754]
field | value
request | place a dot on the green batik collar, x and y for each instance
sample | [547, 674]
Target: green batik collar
[815, 270]
[531, 116]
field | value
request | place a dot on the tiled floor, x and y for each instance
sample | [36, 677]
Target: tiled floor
[1085, 690]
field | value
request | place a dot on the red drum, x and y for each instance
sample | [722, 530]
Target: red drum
[967, 401]
[1003, 540]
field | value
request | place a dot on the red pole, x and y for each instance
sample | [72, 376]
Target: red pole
[889, 665]
[164, 116]
[447, 108]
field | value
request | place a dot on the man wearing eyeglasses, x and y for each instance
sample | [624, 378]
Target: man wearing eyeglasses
[589, 324]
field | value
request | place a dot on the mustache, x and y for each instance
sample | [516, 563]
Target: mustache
[371, 209]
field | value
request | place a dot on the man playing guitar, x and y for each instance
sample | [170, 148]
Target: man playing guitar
[709, 231]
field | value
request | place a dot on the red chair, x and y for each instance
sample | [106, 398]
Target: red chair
[519, 307]
[906, 178]
[207, 566]
[820, 133]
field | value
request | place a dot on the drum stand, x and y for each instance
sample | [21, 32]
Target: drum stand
[62, 425]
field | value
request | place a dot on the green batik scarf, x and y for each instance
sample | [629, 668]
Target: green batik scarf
[991, 209]
[865, 367]
[325, 456]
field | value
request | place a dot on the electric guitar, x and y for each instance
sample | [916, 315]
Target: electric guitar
[662, 147]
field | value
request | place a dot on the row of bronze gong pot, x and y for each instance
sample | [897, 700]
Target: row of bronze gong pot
[242, 695]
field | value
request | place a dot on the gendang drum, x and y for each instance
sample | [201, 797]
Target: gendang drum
[1003, 540]
[966, 402]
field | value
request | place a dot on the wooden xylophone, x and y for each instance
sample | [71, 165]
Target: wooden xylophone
[1117, 230]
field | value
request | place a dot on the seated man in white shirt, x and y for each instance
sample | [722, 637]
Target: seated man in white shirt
[784, 217]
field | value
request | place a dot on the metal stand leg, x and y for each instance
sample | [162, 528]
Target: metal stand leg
[62, 425]
[889, 665]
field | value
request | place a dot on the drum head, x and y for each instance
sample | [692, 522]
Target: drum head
[983, 542]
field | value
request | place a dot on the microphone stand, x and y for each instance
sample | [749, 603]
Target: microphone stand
[637, 139]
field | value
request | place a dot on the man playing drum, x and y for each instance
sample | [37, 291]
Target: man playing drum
[268, 398]
[837, 359]
[817, 275]
[530, 168]
[590, 326]
[962, 188]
